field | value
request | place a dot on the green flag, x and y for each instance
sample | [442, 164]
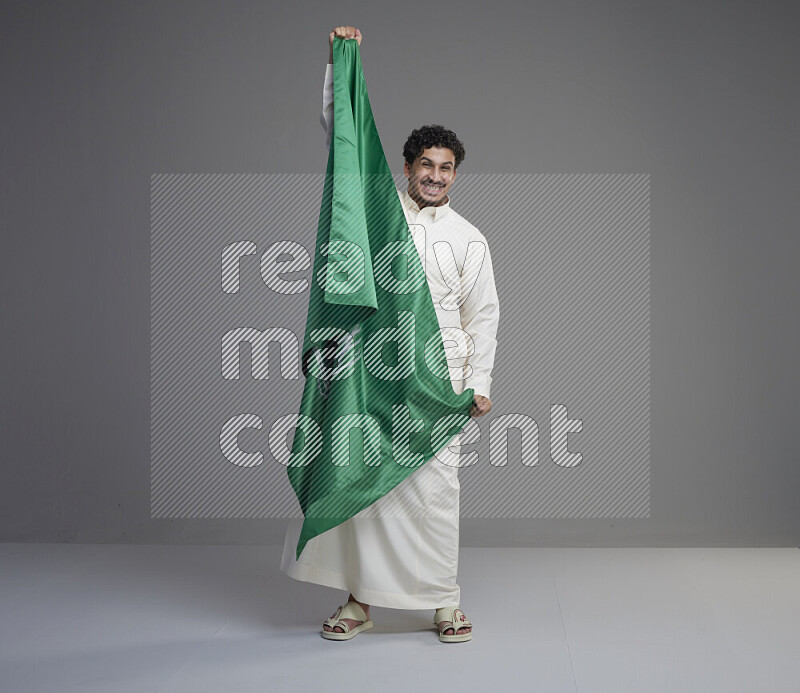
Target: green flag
[377, 401]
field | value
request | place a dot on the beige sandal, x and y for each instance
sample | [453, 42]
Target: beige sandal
[350, 610]
[456, 619]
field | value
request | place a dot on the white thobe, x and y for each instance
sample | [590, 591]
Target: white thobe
[401, 552]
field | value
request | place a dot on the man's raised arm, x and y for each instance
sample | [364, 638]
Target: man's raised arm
[326, 118]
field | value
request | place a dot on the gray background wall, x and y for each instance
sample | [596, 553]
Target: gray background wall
[97, 96]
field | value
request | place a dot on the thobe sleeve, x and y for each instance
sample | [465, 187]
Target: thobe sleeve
[326, 118]
[480, 314]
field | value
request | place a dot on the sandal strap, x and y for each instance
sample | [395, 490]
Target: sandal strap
[353, 610]
[350, 610]
[452, 615]
[333, 620]
[444, 614]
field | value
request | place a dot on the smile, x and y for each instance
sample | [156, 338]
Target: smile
[432, 188]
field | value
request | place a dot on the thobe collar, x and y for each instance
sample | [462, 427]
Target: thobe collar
[436, 212]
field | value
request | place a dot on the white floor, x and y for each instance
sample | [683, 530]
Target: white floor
[214, 618]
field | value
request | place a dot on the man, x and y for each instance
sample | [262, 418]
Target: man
[411, 562]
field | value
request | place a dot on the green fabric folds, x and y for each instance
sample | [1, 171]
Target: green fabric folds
[377, 400]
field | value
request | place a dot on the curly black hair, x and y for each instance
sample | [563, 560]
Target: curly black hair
[432, 136]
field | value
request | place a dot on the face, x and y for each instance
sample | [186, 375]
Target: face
[430, 176]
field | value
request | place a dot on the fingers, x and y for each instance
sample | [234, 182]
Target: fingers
[480, 407]
[347, 32]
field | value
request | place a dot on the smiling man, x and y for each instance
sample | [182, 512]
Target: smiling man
[431, 172]
[411, 561]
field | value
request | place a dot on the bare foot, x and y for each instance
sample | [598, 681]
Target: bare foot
[349, 621]
[449, 631]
